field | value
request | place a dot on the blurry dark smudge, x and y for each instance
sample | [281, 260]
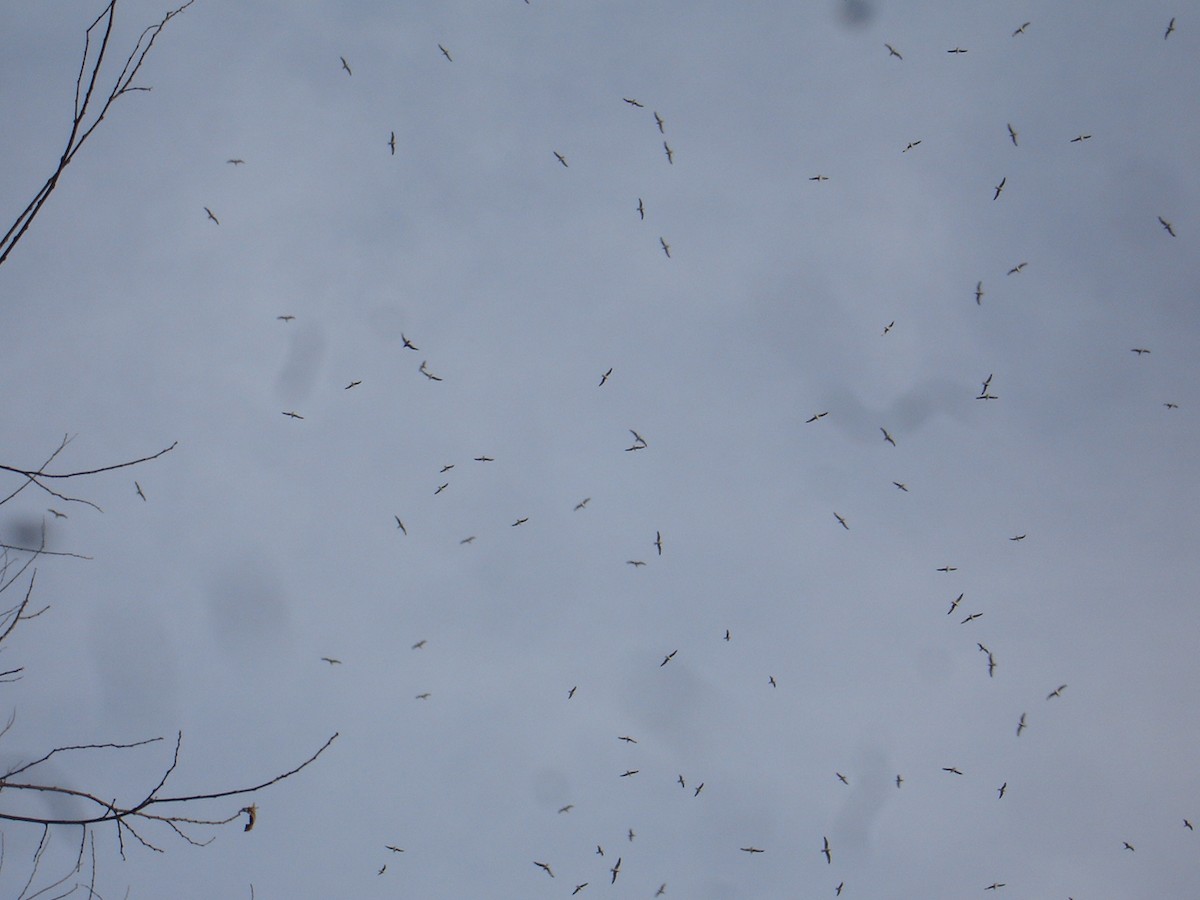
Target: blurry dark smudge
[246, 607]
[855, 13]
[303, 364]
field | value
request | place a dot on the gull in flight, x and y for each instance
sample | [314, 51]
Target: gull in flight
[666, 659]
[235, 162]
[1012, 134]
[828, 853]
[1021, 724]
[1021, 30]
[1167, 226]
[1170, 28]
[666, 248]
[892, 51]
[632, 102]
[211, 216]
[582, 503]
[562, 159]
[424, 371]
[400, 525]
[887, 437]
[1000, 187]
[819, 415]
[604, 377]
[285, 318]
[1057, 692]
[419, 644]
[659, 121]
[392, 143]
[541, 865]
[345, 65]
[901, 485]
[1080, 138]
[670, 155]
[293, 415]
[445, 53]
[408, 345]
[841, 521]
[979, 293]
[1018, 268]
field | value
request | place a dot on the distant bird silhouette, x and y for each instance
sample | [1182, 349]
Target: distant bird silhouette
[899, 781]
[578, 887]
[948, 569]
[658, 120]
[1081, 138]
[1167, 226]
[771, 681]
[1128, 846]
[1021, 724]
[1000, 187]
[1139, 350]
[1012, 134]
[842, 778]
[571, 692]
[627, 739]
[699, 788]
[632, 102]
[400, 525]
[615, 869]
[1017, 537]
[484, 459]
[352, 384]
[666, 659]
[911, 144]
[631, 835]
[1171, 405]
[1170, 28]
[446, 468]
[889, 326]
[951, 769]
[887, 437]
[235, 162]
[666, 248]
[138, 488]
[957, 50]
[56, 513]
[1057, 692]
[446, 53]
[293, 415]
[392, 143]
[971, 618]
[670, 155]
[726, 634]
[211, 216]
[828, 853]
[1021, 30]
[424, 371]
[995, 885]
[541, 865]
[751, 850]
[638, 440]
[345, 65]
[635, 562]
[582, 503]
[814, 418]
[419, 644]
[605, 376]
[1188, 825]
[1019, 267]
[331, 661]
[441, 488]
[841, 521]
[1000, 791]
[662, 889]
[901, 485]
[424, 696]
[954, 604]
[682, 784]
[566, 809]
[979, 293]
[819, 178]
[393, 848]
[285, 318]
[467, 540]
[658, 541]
[562, 159]
[892, 51]
[520, 522]
[408, 345]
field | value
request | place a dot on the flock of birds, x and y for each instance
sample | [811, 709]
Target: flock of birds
[820, 845]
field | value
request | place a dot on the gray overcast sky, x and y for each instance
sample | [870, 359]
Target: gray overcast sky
[131, 320]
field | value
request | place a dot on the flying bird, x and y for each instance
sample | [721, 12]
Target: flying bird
[658, 120]
[979, 293]
[382, 869]
[400, 525]
[419, 644]
[285, 318]
[566, 809]
[1171, 405]
[1019, 267]
[638, 438]
[604, 377]
[331, 661]
[841, 521]
[56, 513]
[837, 891]
[446, 53]
[899, 781]
[819, 415]
[615, 869]
[751, 850]
[1080, 138]
[957, 50]
[828, 853]
[726, 634]
[1057, 692]
[578, 887]
[1017, 537]
[641, 209]
[424, 371]
[293, 415]
[954, 604]
[911, 144]
[393, 848]
[1000, 791]
[1170, 28]
[408, 345]
[631, 835]
[582, 503]
[138, 487]
[235, 162]
[991, 666]
[484, 459]
[662, 889]
[345, 65]
[819, 178]
[562, 159]
[467, 540]
[211, 216]
[995, 885]
[1021, 30]
[889, 326]
[1012, 134]
[666, 659]
[632, 102]
[441, 487]
[951, 769]
[571, 692]
[901, 485]
[771, 681]
[841, 778]
[520, 522]
[424, 696]
[1000, 187]
[682, 784]
[1167, 226]
[971, 618]
[627, 739]
[892, 51]
[1021, 724]
[658, 541]
[1128, 846]
[352, 384]
[696, 793]
[1139, 350]
[446, 468]
[670, 155]
[666, 248]
[948, 569]
[1188, 825]
[887, 437]
[392, 143]
[635, 562]
[541, 865]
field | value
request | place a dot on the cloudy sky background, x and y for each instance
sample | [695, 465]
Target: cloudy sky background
[131, 321]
